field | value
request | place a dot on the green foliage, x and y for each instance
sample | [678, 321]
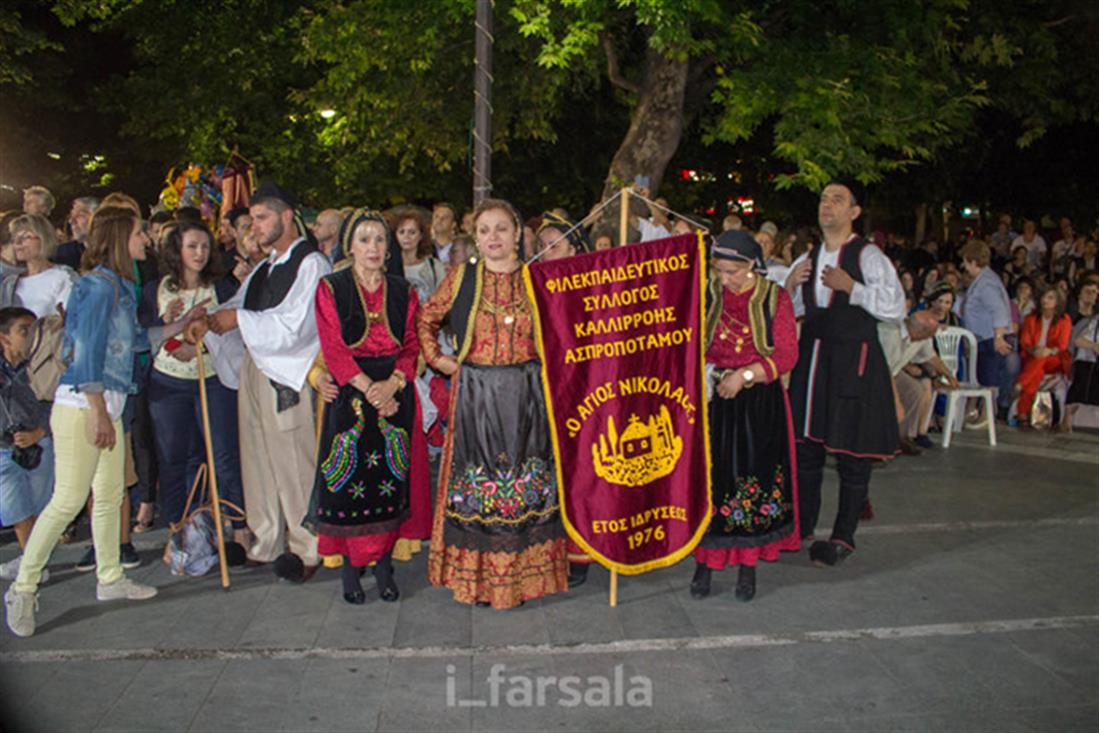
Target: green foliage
[870, 88]
[18, 41]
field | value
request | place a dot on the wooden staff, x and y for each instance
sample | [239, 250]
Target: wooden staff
[211, 472]
[623, 239]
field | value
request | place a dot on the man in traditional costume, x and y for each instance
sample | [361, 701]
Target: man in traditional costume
[269, 336]
[840, 391]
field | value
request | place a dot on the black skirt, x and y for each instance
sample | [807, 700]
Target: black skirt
[841, 396]
[364, 462]
[1085, 384]
[753, 486]
[501, 491]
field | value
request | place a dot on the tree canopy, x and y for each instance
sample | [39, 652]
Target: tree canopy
[369, 99]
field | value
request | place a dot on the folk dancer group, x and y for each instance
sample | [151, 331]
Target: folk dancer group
[355, 336]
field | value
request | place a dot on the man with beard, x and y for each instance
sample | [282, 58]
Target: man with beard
[80, 218]
[270, 326]
[841, 395]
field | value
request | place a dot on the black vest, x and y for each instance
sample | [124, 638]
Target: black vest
[349, 305]
[464, 307]
[838, 321]
[270, 285]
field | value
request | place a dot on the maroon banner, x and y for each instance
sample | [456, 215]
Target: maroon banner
[621, 337]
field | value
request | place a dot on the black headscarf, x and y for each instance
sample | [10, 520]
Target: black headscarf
[576, 235]
[739, 246]
[394, 265]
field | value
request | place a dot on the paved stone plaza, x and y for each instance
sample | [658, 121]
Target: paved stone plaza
[972, 605]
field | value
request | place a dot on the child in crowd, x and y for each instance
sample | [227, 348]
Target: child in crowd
[26, 451]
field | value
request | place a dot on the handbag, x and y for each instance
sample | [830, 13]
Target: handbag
[1041, 412]
[192, 546]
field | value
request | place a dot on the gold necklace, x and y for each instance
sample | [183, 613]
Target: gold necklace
[730, 331]
[372, 317]
[512, 308]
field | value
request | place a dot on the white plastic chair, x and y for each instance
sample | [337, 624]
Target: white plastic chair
[948, 341]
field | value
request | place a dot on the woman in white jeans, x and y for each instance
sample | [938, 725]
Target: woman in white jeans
[101, 333]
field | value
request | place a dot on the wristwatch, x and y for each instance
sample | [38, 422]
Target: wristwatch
[748, 376]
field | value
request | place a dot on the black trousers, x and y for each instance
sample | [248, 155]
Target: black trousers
[144, 448]
[854, 490]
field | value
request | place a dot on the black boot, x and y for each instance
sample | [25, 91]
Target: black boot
[578, 573]
[746, 583]
[387, 586]
[700, 583]
[352, 588]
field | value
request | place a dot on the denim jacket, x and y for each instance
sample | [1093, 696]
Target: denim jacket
[102, 334]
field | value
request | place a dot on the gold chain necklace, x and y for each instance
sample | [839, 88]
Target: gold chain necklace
[735, 330]
[512, 308]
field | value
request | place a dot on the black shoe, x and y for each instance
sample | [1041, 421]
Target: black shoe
[289, 566]
[482, 604]
[829, 554]
[578, 573]
[924, 442]
[700, 583]
[387, 586]
[87, 562]
[746, 583]
[128, 557]
[357, 598]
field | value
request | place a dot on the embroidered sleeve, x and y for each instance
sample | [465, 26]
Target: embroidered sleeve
[433, 313]
[337, 356]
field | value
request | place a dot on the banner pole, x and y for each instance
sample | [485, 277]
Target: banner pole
[624, 217]
[623, 239]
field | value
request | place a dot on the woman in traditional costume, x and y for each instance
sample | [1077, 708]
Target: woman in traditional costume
[372, 484]
[751, 343]
[497, 538]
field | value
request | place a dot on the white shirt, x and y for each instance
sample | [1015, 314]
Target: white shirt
[1035, 248]
[900, 350]
[650, 231]
[442, 251]
[42, 292]
[283, 340]
[881, 294]
[66, 395]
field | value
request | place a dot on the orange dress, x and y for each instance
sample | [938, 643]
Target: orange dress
[497, 536]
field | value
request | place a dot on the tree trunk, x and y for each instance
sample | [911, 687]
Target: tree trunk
[656, 128]
[921, 225]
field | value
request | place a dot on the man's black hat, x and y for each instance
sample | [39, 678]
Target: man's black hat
[858, 191]
[269, 190]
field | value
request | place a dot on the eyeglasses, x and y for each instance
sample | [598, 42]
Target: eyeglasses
[24, 236]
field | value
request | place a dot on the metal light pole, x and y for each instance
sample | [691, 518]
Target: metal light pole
[482, 104]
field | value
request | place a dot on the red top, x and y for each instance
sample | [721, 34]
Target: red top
[1060, 331]
[503, 327]
[340, 358]
[734, 317]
